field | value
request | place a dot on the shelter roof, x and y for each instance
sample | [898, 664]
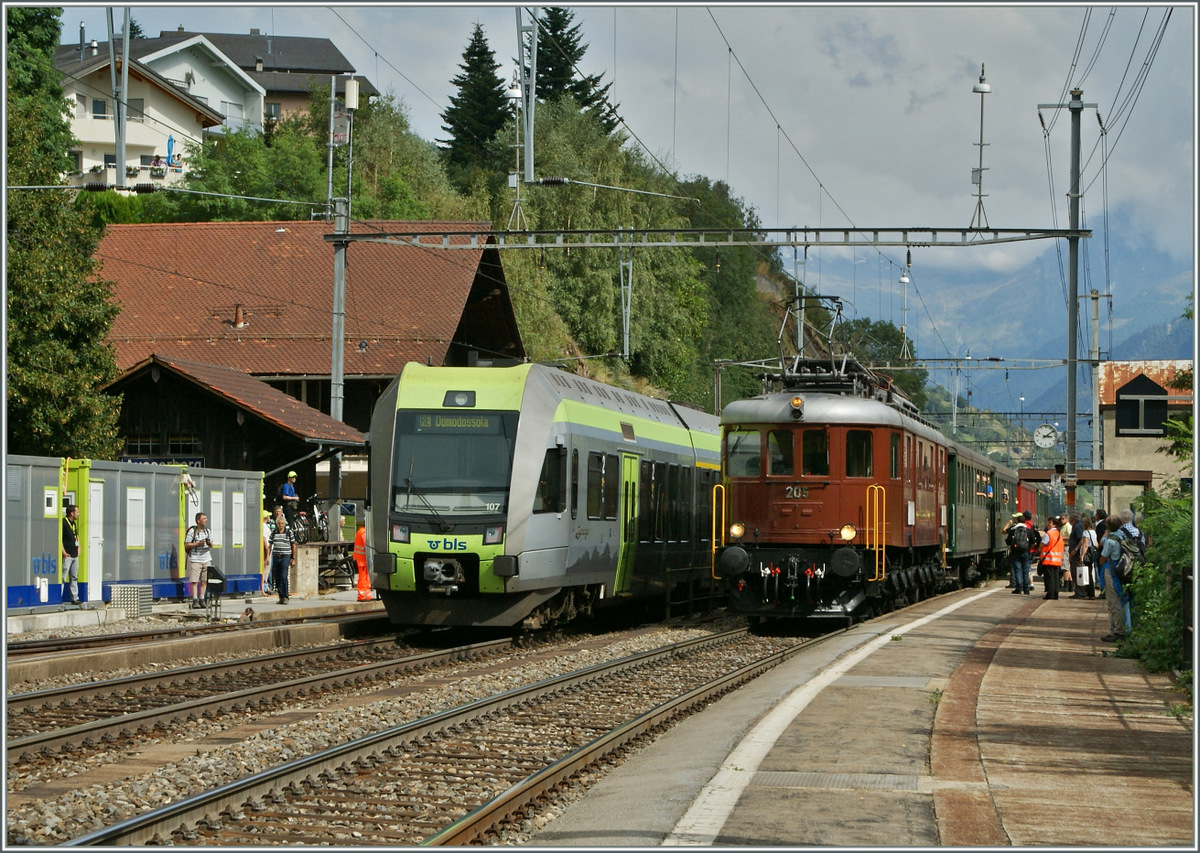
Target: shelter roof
[253, 396]
[258, 296]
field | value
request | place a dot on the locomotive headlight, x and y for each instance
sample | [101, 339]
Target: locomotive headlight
[399, 532]
[737, 530]
[848, 532]
[494, 535]
[797, 408]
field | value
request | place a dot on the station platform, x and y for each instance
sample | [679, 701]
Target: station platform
[976, 718]
[228, 608]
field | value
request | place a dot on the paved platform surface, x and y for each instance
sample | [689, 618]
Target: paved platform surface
[977, 718]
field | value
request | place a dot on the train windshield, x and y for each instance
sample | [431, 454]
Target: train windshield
[452, 462]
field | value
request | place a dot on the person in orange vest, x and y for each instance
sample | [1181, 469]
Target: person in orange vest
[365, 592]
[1052, 557]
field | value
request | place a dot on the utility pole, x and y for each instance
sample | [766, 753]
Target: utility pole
[120, 91]
[1097, 460]
[1070, 478]
[527, 35]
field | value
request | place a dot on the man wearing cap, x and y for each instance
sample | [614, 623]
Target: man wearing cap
[1018, 554]
[291, 500]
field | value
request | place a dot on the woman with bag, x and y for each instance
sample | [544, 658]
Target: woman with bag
[1086, 551]
[283, 551]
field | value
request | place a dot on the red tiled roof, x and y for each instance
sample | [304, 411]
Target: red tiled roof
[258, 398]
[179, 286]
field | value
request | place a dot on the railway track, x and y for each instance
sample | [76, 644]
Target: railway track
[453, 777]
[97, 716]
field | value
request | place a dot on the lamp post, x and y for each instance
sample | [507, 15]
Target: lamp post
[981, 88]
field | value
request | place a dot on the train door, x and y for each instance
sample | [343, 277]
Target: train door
[629, 523]
[93, 573]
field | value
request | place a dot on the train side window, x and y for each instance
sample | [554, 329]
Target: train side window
[685, 504]
[595, 485]
[551, 495]
[612, 485]
[814, 453]
[575, 483]
[895, 456]
[704, 506]
[779, 453]
[859, 456]
[672, 503]
[742, 452]
[646, 503]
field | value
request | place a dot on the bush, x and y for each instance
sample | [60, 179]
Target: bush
[1158, 588]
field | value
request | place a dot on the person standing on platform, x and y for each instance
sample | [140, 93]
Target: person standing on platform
[283, 551]
[365, 592]
[1017, 535]
[291, 500]
[1052, 558]
[1114, 593]
[197, 544]
[1083, 558]
[70, 553]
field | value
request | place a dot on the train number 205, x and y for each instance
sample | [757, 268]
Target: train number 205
[796, 491]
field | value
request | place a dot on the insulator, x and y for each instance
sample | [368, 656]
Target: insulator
[95, 187]
[141, 189]
[553, 182]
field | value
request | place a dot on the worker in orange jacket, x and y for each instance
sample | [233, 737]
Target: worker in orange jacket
[1052, 557]
[360, 557]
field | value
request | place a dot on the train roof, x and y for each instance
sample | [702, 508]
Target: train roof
[569, 386]
[823, 408]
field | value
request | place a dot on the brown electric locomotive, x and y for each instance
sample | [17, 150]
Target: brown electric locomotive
[839, 499]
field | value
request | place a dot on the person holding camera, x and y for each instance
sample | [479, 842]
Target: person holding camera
[197, 544]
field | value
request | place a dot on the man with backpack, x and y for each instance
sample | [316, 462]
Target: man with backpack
[1017, 537]
[1122, 550]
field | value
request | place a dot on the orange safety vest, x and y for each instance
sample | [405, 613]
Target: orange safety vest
[1052, 551]
[365, 593]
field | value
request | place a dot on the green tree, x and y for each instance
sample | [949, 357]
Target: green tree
[559, 51]
[881, 343]
[59, 310]
[477, 111]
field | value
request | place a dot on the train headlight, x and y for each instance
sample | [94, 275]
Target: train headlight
[848, 532]
[399, 532]
[797, 408]
[737, 530]
[494, 535]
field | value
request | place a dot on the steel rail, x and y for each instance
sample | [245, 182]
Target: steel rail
[20, 702]
[145, 828]
[475, 826]
[146, 720]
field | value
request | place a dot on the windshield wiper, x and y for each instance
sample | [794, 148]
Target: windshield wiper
[443, 525]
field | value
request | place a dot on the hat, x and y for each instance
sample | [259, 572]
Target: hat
[1027, 515]
[291, 474]
[1017, 515]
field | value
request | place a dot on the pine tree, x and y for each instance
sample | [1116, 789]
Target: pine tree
[477, 111]
[559, 52]
[59, 311]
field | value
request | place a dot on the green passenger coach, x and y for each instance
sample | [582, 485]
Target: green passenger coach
[526, 495]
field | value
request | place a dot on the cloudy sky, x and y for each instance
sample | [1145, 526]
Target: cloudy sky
[854, 114]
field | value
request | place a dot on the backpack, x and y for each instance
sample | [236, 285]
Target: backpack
[1133, 554]
[1018, 537]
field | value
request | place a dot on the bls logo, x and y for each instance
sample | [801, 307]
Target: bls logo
[447, 545]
